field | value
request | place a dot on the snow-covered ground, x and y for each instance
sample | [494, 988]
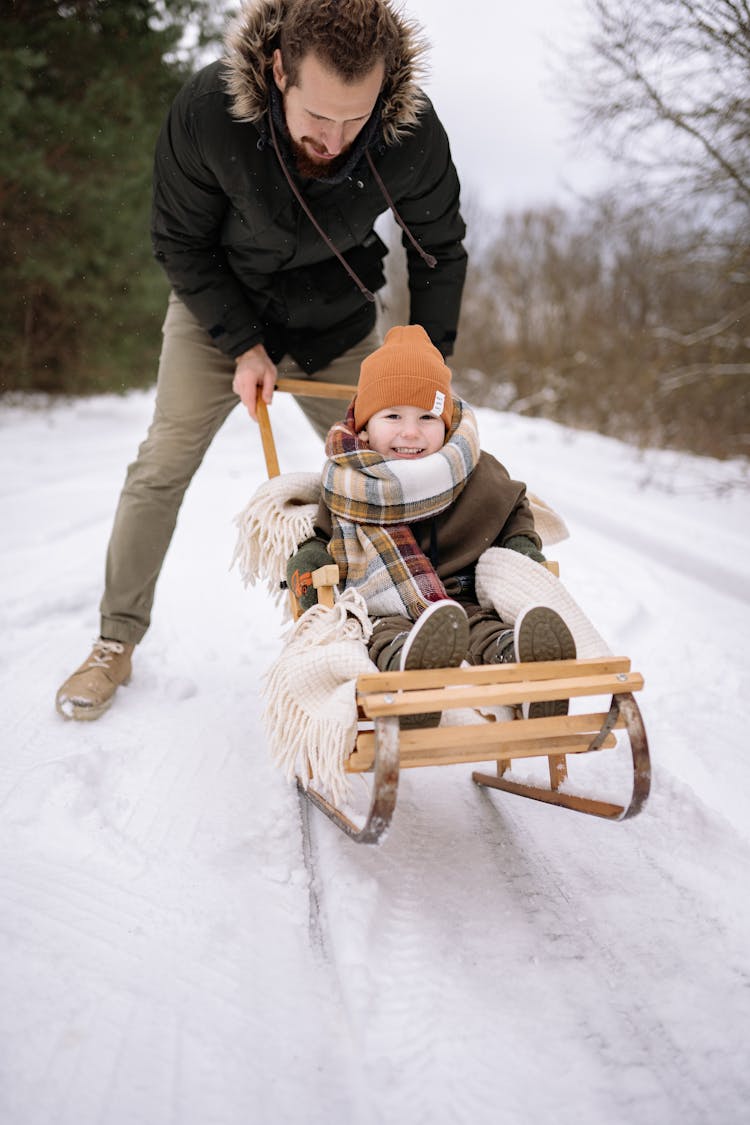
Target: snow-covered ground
[182, 944]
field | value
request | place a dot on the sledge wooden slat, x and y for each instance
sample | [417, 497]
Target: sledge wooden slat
[362, 759]
[491, 674]
[485, 742]
[324, 579]
[322, 576]
[558, 770]
[571, 744]
[495, 695]
[515, 731]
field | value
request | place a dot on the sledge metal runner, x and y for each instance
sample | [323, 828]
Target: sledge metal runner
[382, 748]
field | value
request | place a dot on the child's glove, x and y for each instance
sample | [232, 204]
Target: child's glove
[307, 558]
[525, 546]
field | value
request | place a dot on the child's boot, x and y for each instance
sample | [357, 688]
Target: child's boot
[539, 634]
[438, 639]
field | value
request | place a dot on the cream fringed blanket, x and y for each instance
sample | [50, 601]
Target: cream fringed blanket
[509, 582]
[311, 709]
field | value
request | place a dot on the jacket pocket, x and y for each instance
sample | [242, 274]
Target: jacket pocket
[366, 260]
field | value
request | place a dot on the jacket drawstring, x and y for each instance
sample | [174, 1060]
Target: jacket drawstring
[427, 258]
[298, 196]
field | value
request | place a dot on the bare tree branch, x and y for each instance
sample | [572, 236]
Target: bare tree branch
[683, 376]
[666, 84]
[702, 334]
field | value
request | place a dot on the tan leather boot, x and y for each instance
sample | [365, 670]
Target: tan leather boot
[89, 691]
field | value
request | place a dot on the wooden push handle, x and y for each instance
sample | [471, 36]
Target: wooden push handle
[308, 388]
[324, 579]
[304, 387]
[266, 437]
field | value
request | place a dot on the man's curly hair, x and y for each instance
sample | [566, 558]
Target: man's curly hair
[350, 37]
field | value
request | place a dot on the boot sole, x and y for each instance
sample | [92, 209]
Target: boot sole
[541, 634]
[82, 712]
[85, 712]
[441, 642]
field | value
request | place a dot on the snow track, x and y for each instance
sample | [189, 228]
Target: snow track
[182, 940]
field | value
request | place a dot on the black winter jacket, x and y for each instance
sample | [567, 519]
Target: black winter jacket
[244, 257]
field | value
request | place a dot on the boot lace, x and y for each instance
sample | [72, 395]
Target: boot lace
[103, 652]
[502, 650]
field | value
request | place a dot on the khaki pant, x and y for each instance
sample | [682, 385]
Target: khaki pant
[194, 397]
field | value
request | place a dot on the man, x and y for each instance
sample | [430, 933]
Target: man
[270, 171]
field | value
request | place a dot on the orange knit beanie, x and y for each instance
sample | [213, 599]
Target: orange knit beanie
[407, 370]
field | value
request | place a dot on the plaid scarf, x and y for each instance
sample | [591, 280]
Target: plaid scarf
[373, 500]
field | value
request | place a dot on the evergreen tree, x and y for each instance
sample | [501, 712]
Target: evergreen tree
[84, 87]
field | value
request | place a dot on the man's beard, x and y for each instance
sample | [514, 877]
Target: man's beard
[317, 169]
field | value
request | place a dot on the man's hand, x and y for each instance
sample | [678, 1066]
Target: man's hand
[254, 369]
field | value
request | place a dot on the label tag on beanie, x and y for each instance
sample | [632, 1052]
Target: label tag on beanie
[439, 404]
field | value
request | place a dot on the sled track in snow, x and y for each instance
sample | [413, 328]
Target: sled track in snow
[567, 918]
[315, 924]
[708, 571]
[401, 955]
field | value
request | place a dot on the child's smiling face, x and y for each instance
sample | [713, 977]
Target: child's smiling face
[405, 432]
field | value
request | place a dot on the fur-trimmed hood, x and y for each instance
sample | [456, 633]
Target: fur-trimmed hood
[253, 37]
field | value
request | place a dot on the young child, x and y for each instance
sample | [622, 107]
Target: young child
[409, 503]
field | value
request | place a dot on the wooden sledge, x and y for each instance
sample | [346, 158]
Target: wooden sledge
[383, 749]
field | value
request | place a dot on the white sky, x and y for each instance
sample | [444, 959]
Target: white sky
[492, 83]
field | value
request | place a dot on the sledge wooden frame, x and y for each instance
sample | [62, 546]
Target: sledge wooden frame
[383, 749]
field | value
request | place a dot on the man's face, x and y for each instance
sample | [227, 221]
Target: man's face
[323, 113]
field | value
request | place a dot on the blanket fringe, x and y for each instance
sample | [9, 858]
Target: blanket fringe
[279, 516]
[311, 747]
[347, 620]
[548, 524]
[311, 707]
